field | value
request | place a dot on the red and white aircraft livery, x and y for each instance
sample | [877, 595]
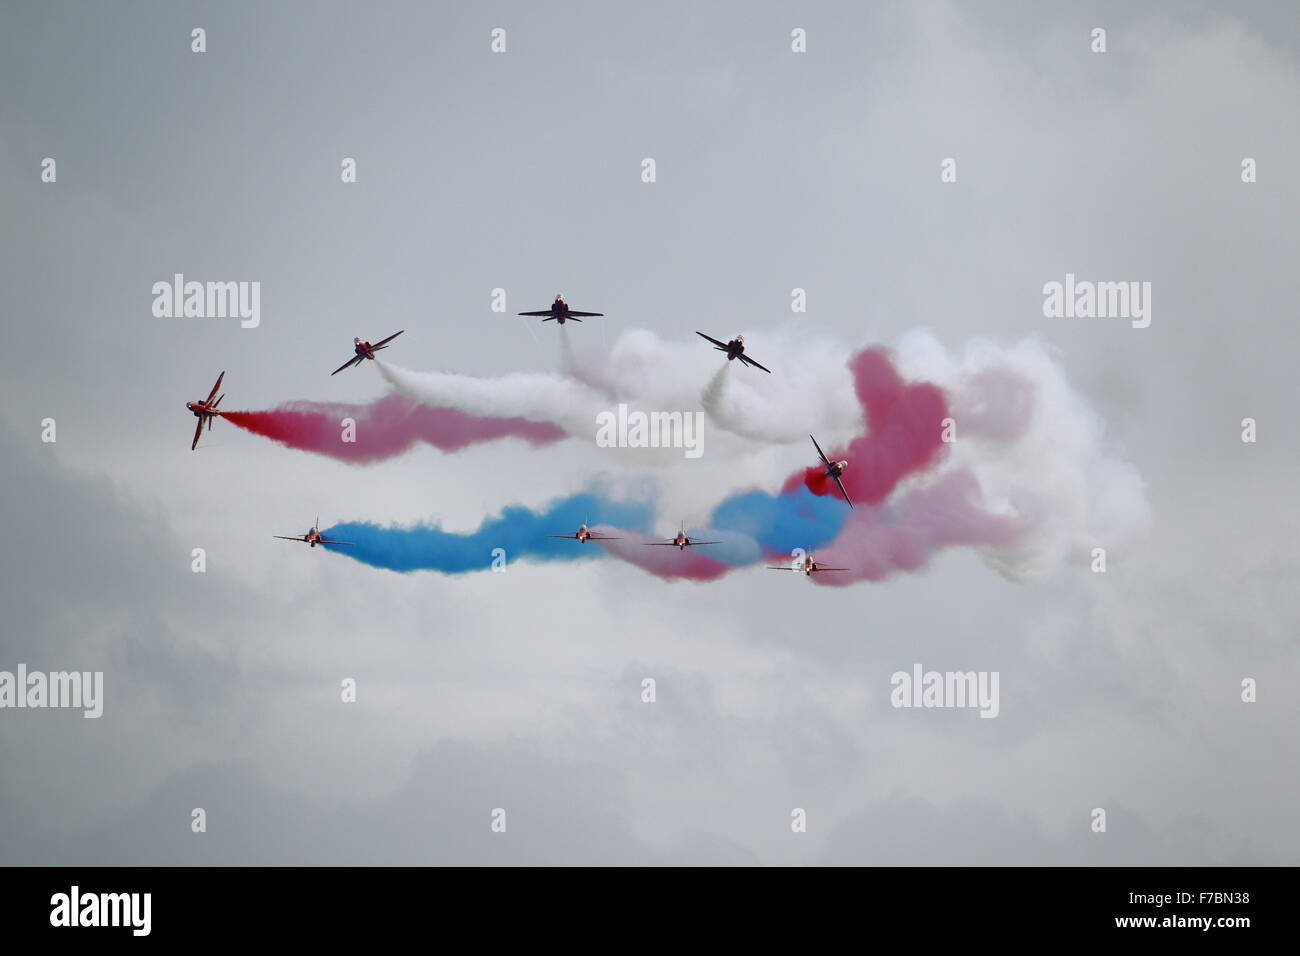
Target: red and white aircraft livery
[585, 534]
[365, 351]
[205, 411]
[735, 349]
[809, 567]
[312, 537]
[560, 312]
[833, 469]
[681, 542]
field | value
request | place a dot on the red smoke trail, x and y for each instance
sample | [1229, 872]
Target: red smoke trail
[904, 423]
[904, 427]
[877, 541]
[669, 563]
[387, 426]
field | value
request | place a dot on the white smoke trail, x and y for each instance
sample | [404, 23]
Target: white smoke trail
[1030, 448]
[537, 396]
[1039, 452]
[811, 389]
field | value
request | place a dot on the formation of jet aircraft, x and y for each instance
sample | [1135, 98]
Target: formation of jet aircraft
[207, 410]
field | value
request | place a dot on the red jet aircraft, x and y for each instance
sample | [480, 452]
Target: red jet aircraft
[584, 534]
[312, 537]
[735, 349]
[205, 411]
[681, 542]
[365, 351]
[560, 312]
[834, 469]
[809, 566]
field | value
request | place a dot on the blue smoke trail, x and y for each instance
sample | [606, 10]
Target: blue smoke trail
[795, 519]
[748, 525]
[520, 531]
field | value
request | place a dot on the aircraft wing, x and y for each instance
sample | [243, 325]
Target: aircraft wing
[569, 536]
[749, 361]
[820, 454]
[348, 364]
[784, 567]
[820, 568]
[283, 538]
[602, 537]
[585, 314]
[694, 543]
[840, 485]
[383, 342]
[329, 541]
[215, 387]
[198, 430]
[721, 345]
[543, 312]
[660, 544]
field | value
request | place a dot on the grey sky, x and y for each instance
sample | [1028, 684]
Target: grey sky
[521, 171]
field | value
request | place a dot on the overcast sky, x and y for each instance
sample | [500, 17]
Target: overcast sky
[522, 170]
